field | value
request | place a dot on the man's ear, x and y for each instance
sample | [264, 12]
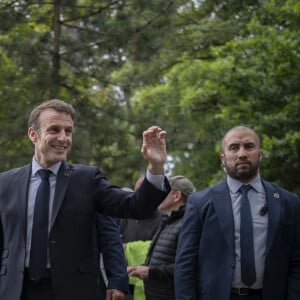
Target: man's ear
[222, 158]
[178, 195]
[32, 134]
[261, 155]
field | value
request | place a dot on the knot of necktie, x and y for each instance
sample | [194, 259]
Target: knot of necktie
[245, 188]
[44, 173]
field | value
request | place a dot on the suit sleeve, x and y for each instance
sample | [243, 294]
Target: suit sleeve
[111, 247]
[293, 291]
[113, 201]
[1, 240]
[185, 277]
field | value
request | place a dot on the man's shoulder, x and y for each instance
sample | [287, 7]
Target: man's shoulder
[14, 171]
[206, 197]
[220, 187]
[272, 187]
[81, 168]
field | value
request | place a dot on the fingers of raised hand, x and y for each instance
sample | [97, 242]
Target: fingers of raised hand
[154, 132]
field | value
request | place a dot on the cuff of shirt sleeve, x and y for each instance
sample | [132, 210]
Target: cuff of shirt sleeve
[157, 180]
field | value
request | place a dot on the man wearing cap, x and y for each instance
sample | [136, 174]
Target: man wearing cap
[158, 271]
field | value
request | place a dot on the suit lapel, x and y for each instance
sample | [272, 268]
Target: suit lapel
[273, 196]
[62, 182]
[23, 195]
[222, 203]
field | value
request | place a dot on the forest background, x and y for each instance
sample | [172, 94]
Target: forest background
[195, 68]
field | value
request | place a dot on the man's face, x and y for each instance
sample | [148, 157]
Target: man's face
[169, 203]
[241, 154]
[53, 140]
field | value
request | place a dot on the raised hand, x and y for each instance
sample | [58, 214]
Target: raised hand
[154, 149]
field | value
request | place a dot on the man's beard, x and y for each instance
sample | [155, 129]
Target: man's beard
[243, 175]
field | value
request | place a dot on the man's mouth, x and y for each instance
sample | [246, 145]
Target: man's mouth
[243, 165]
[60, 148]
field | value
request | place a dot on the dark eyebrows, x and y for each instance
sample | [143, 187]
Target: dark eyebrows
[57, 127]
[246, 144]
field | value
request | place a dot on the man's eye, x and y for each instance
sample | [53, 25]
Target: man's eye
[250, 146]
[233, 148]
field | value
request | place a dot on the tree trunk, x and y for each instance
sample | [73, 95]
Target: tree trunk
[56, 48]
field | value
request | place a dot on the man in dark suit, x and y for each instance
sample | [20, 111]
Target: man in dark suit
[64, 267]
[213, 262]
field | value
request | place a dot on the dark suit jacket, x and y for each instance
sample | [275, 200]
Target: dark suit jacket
[109, 244]
[206, 254]
[80, 192]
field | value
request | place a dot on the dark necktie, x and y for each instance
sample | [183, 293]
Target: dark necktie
[247, 248]
[39, 241]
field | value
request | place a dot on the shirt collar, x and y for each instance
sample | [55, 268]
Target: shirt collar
[36, 166]
[234, 184]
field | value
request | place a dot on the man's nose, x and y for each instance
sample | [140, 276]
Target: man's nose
[62, 135]
[242, 152]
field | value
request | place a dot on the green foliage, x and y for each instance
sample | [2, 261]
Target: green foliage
[250, 77]
[73, 59]
[195, 68]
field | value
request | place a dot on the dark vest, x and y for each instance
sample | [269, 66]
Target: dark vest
[161, 259]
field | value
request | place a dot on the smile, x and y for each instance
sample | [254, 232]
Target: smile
[59, 147]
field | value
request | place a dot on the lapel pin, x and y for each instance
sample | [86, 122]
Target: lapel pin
[276, 195]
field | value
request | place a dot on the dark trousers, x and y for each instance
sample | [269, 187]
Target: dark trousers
[37, 290]
[129, 296]
[254, 297]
